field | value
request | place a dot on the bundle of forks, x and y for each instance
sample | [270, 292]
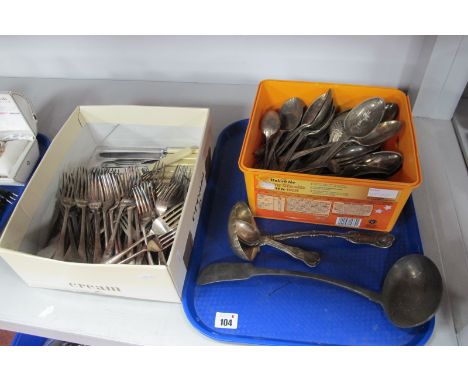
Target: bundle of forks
[118, 216]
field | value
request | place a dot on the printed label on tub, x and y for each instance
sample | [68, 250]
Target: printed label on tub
[324, 203]
[308, 206]
[304, 187]
[270, 202]
[226, 320]
[382, 193]
[341, 208]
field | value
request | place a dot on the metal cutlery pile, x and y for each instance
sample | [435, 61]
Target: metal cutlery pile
[6, 197]
[118, 216]
[410, 295]
[320, 139]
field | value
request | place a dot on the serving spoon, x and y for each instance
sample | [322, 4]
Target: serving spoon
[241, 212]
[250, 235]
[411, 292]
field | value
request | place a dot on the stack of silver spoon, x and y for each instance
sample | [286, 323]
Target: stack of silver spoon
[321, 140]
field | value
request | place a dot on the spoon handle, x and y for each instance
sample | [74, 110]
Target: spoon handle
[267, 153]
[276, 139]
[377, 239]
[220, 272]
[312, 150]
[310, 258]
[323, 160]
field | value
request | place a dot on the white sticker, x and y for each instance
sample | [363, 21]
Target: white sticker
[382, 193]
[226, 320]
[267, 185]
[348, 222]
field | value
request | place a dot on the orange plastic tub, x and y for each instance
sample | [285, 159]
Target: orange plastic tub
[329, 200]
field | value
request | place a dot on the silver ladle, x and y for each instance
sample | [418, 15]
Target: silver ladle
[250, 235]
[241, 211]
[410, 296]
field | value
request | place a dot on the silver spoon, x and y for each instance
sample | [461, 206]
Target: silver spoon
[269, 125]
[290, 117]
[359, 122]
[411, 292]
[336, 127]
[291, 113]
[381, 133]
[391, 112]
[314, 115]
[317, 130]
[386, 162]
[353, 151]
[250, 235]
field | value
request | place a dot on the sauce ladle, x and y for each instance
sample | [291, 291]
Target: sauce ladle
[250, 235]
[241, 212]
[411, 292]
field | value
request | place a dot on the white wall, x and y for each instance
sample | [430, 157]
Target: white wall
[379, 60]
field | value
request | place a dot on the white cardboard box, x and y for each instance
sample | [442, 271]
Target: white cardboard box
[19, 156]
[87, 128]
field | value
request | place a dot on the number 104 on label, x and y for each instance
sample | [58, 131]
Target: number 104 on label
[226, 320]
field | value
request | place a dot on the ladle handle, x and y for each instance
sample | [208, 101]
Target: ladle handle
[310, 258]
[241, 271]
[377, 239]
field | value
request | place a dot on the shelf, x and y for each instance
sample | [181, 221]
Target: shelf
[102, 320]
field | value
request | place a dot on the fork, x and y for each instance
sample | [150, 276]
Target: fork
[169, 227]
[108, 199]
[145, 212]
[95, 197]
[81, 201]
[67, 202]
[127, 181]
[163, 243]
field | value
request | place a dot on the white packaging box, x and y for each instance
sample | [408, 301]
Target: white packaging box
[113, 126]
[19, 156]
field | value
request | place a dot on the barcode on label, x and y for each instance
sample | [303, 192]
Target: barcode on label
[348, 222]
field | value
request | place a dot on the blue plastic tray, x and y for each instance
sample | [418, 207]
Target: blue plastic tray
[287, 310]
[22, 339]
[44, 143]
